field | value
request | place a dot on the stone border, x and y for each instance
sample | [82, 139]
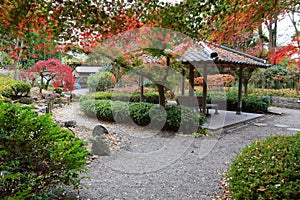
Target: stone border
[286, 102]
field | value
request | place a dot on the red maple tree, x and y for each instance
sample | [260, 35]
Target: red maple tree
[290, 52]
[55, 72]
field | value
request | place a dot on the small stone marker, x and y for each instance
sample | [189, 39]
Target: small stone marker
[294, 129]
[71, 123]
[281, 125]
[260, 124]
[100, 147]
[99, 130]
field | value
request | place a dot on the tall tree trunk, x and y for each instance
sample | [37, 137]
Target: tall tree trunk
[272, 28]
[161, 94]
[42, 83]
[161, 89]
[261, 42]
[247, 73]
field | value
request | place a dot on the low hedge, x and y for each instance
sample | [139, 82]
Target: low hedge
[252, 103]
[36, 155]
[177, 117]
[11, 88]
[273, 92]
[150, 97]
[267, 169]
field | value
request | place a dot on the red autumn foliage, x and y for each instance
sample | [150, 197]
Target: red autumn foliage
[290, 51]
[216, 80]
[55, 72]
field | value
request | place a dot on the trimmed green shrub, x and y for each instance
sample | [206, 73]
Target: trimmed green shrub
[101, 81]
[26, 100]
[11, 88]
[252, 103]
[36, 155]
[267, 169]
[3, 75]
[139, 112]
[150, 97]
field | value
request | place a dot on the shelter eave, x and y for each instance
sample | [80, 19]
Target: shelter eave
[234, 63]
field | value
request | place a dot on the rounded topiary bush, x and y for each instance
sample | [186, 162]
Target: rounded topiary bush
[14, 89]
[101, 81]
[267, 169]
[36, 155]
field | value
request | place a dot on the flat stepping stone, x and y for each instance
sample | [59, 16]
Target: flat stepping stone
[281, 125]
[294, 129]
[274, 110]
[260, 124]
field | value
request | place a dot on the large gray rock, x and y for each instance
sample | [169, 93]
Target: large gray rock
[99, 130]
[100, 146]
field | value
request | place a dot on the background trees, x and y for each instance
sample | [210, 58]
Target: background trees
[32, 30]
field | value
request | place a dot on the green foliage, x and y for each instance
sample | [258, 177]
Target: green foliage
[5, 60]
[267, 169]
[11, 88]
[273, 92]
[214, 96]
[36, 155]
[253, 103]
[139, 113]
[100, 81]
[276, 76]
[3, 75]
[150, 97]
[26, 100]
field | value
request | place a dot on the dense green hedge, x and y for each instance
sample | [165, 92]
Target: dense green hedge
[36, 155]
[252, 103]
[150, 97]
[11, 88]
[267, 169]
[139, 113]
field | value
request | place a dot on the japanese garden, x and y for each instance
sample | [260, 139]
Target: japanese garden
[149, 99]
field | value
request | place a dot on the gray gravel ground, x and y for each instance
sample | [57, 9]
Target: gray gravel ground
[147, 165]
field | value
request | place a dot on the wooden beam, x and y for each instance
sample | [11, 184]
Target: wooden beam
[191, 80]
[204, 92]
[182, 81]
[240, 91]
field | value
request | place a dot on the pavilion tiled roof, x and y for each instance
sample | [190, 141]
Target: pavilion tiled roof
[207, 52]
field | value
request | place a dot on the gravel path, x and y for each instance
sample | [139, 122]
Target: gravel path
[150, 165]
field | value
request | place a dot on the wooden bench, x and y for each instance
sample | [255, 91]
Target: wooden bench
[196, 102]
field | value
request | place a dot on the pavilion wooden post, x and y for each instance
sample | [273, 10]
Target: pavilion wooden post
[240, 91]
[204, 90]
[182, 81]
[191, 80]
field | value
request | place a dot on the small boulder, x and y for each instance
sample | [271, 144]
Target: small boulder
[71, 123]
[100, 147]
[99, 130]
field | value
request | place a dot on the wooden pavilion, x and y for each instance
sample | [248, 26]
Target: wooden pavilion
[204, 55]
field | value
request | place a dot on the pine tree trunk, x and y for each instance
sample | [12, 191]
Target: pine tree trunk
[161, 93]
